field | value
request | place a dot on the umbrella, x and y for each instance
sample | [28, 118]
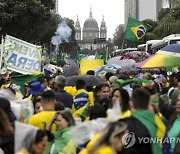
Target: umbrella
[102, 70]
[160, 60]
[114, 60]
[136, 55]
[130, 68]
[170, 49]
[70, 70]
[90, 80]
[121, 62]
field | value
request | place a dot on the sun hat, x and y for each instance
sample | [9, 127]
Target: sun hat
[36, 88]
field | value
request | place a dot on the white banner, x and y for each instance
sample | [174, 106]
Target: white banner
[21, 56]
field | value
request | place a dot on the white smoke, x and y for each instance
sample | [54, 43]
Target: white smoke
[165, 3]
[62, 34]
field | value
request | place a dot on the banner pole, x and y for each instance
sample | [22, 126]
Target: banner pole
[2, 48]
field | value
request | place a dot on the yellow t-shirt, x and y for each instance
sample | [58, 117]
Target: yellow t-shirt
[41, 120]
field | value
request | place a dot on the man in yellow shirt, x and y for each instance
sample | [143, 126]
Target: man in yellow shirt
[41, 119]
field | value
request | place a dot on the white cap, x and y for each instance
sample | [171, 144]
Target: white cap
[3, 71]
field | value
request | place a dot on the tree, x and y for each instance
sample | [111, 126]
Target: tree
[31, 21]
[149, 35]
[163, 12]
[119, 36]
[170, 24]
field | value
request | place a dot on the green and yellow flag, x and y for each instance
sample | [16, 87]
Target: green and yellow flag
[21, 79]
[155, 126]
[136, 29]
[97, 56]
[63, 142]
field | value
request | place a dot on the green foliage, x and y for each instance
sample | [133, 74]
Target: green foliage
[32, 21]
[150, 22]
[170, 24]
[163, 12]
[119, 36]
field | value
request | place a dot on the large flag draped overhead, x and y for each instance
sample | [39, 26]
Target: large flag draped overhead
[136, 29]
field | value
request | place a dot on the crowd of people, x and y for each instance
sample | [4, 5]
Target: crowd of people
[149, 108]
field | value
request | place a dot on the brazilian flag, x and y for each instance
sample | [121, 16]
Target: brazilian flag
[155, 127]
[136, 29]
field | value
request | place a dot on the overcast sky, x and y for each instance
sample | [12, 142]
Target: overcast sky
[113, 11]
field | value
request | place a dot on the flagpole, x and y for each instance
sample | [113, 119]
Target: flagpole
[2, 47]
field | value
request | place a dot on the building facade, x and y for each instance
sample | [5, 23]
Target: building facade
[88, 37]
[130, 9]
[142, 9]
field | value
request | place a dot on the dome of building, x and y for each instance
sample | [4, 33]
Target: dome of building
[90, 23]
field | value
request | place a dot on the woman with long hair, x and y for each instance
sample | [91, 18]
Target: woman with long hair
[121, 95]
[61, 139]
[6, 134]
[109, 141]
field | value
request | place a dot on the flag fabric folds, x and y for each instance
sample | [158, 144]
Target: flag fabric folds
[97, 56]
[105, 56]
[21, 79]
[136, 29]
[79, 57]
[154, 125]
[63, 142]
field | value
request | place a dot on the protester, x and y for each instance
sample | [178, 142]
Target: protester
[6, 107]
[26, 90]
[143, 124]
[173, 126]
[61, 139]
[43, 81]
[108, 75]
[29, 139]
[42, 118]
[37, 103]
[36, 88]
[98, 111]
[6, 134]
[60, 94]
[103, 91]
[81, 98]
[5, 78]
[50, 81]
[39, 143]
[176, 91]
[112, 82]
[121, 96]
[109, 141]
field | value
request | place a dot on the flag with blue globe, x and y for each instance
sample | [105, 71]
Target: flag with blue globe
[135, 29]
